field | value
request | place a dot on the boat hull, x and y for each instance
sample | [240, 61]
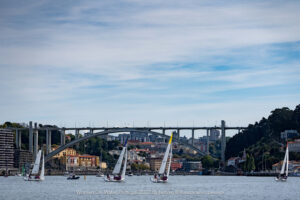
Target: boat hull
[154, 180]
[113, 180]
[32, 179]
[75, 178]
[280, 179]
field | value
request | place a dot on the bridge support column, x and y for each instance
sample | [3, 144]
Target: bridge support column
[164, 131]
[193, 136]
[48, 141]
[62, 137]
[36, 141]
[91, 131]
[76, 137]
[30, 137]
[207, 141]
[223, 142]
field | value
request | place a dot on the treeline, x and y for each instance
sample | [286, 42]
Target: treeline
[262, 139]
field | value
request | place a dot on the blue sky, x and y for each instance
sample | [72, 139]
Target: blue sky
[148, 62]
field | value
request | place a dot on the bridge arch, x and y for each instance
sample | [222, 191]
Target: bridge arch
[106, 132]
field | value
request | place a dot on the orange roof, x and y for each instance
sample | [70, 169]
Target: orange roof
[145, 143]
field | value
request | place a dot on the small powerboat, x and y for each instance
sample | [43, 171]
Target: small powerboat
[73, 177]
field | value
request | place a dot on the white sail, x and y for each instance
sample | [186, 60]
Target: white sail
[164, 161]
[287, 161]
[125, 165]
[42, 176]
[36, 166]
[117, 168]
[170, 160]
[284, 163]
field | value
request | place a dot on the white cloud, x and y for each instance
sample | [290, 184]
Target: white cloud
[53, 58]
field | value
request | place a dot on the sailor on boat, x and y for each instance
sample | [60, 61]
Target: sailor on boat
[164, 170]
[39, 174]
[284, 168]
[118, 174]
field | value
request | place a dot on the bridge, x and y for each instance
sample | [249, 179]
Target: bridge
[101, 131]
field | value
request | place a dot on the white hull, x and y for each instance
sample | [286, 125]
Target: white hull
[280, 179]
[112, 180]
[154, 180]
[32, 179]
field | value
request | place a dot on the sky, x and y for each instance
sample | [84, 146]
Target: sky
[148, 63]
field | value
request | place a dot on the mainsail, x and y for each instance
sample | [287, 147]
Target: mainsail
[284, 167]
[42, 176]
[164, 161]
[125, 164]
[36, 166]
[287, 161]
[117, 168]
[170, 160]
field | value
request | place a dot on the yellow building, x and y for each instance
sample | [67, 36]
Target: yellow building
[88, 161]
[67, 151]
[103, 165]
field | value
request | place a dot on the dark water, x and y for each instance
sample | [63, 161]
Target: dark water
[140, 187]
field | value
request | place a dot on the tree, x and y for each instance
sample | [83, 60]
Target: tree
[207, 162]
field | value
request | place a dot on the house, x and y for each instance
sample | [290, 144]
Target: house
[233, 161]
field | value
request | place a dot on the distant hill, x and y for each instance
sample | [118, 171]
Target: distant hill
[262, 139]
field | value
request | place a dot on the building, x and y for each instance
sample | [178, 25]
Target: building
[135, 157]
[233, 161]
[293, 166]
[140, 136]
[67, 151]
[6, 150]
[103, 165]
[294, 146]
[192, 166]
[88, 161]
[214, 135]
[22, 157]
[71, 160]
[289, 134]
[176, 164]
[155, 163]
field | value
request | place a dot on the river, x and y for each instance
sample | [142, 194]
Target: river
[140, 188]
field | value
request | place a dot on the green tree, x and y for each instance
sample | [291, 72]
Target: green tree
[207, 162]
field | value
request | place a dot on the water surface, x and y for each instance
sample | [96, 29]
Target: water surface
[140, 187]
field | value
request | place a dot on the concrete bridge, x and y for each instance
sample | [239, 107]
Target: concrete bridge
[99, 131]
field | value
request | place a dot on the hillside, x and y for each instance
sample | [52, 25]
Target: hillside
[262, 139]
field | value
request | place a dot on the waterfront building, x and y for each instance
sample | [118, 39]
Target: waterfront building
[6, 150]
[22, 157]
[233, 161]
[176, 164]
[88, 161]
[192, 166]
[67, 151]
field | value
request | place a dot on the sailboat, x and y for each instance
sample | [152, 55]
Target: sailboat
[163, 174]
[117, 176]
[34, 174]
[285, 167]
